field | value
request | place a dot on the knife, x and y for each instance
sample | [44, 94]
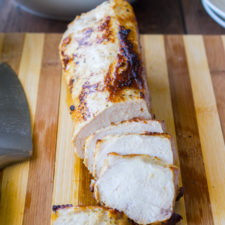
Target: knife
[15, 121]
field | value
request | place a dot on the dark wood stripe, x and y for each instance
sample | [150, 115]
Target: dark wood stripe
[41, 172]
[216, 60]
[197, 20]
[196, 195]
[12, 50]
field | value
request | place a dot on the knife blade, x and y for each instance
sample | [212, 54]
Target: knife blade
[15, 121]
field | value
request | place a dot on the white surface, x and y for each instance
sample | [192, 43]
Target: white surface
[218, 6]
[217, 17]
[58, 9]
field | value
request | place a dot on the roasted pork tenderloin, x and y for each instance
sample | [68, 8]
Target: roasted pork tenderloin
[103, 69]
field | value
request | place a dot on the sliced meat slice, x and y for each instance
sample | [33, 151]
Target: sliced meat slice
[88, 215]
[155, 145]
[129, 126]
[141, 186]
[103, 70]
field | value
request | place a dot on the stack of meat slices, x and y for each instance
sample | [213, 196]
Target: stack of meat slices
[128, 153]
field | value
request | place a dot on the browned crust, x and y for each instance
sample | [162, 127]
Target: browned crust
[86, 90]
[175, 218]
[172, 167]
[164, 135]
[107, 34]
[137, 119]
[82, 207]
[113, 213]
[128, 69]
[180, 194]
[58, 207]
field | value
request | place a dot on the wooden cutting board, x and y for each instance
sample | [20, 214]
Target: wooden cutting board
[186, 75]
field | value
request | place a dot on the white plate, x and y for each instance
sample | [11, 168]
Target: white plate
[218, 6]
[58, 9]
[213, 14]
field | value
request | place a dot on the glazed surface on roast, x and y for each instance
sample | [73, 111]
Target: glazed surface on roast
[101, 60]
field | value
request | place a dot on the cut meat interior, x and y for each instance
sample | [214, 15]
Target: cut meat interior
[141, 186]
[88, 215]
[114, 114]
[156, 145]
[129, 126]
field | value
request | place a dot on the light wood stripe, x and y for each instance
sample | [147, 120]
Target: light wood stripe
[223, 39]
[209, 125]
[40, 179]
[197, 203]
[216, 59]
[217, 70]
[64, 179]
[30, 67]
[157, 76]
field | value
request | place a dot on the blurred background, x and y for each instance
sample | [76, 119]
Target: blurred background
[154, 16]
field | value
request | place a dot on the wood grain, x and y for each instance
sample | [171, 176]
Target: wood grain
[40, 179]
[64, 178]
[216, 59]
[158, 82]
[11, 194]
[85, 196]
[212, 142]
[1, 42]
[14, 19]
[182, 94]
[12, 50]
[15, 177]
[161, 17]
[196, 196]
